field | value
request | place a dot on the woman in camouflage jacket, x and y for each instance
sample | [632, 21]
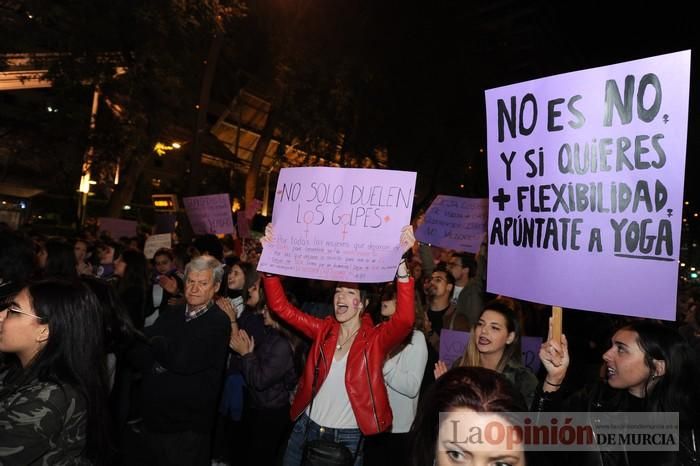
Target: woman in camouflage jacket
[53, 382]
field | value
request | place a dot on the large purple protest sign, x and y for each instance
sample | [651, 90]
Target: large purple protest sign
[453, 343]
[209, 214]
[456, 223]
[339, 223]
[118, 228]
[586, 184]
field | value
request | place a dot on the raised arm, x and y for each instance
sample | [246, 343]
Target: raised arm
[278, 303]
[555, 359]
[391, 333]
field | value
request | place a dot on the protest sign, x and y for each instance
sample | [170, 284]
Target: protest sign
[453, 344]
[455, 223]
[117, 227]
[155, 242]
[252, 208]
[243, 224]
[339, 223]
[586, 183]
[209, 214]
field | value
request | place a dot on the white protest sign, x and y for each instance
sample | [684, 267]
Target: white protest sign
[155, 242]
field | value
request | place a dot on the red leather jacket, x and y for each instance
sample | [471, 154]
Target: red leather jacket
[364, 380]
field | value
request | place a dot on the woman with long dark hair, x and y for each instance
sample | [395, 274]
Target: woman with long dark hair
[53, 389]
[132, 270]
[120, 340]
[495, 343]
[270, 375]
[403, 374]
[242, 303]
[648, 368]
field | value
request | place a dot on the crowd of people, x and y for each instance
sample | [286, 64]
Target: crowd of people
[194, 357]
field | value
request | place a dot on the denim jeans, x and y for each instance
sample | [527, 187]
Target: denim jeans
[295, 446]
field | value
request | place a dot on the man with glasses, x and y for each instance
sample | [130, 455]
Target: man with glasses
[441, 312]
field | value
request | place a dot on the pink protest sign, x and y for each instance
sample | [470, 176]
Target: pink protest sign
[252, 208]
[586, 187]
[117, 227]
[243, 223]
[455, 223]
[453, 344]
[209, 214]
[339, 223]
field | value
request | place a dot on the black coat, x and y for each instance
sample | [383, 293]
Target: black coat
[184, 370]
[269, 372]
[601, 398]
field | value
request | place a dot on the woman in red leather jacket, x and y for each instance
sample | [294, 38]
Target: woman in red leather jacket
[345, 361]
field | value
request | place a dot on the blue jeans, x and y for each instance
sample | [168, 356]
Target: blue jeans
[295, 446]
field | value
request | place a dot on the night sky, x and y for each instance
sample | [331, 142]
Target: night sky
[443, 55]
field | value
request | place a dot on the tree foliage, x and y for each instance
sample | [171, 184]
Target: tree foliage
[146, 57]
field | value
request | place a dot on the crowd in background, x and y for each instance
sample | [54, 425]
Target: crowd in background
[194, 357]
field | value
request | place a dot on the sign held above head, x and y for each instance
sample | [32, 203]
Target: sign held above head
[586, 187]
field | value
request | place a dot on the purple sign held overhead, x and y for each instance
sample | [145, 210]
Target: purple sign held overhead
[339, 223]
[209, 214]
[456, 223]
[118, 228]
[586, 187]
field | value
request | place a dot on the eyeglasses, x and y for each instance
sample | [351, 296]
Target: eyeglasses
[16, 310]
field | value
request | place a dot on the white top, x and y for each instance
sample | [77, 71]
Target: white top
[238, 305]
[157, 295]
[331, 406]
[157, 301]
[455, 293]
[403, 375]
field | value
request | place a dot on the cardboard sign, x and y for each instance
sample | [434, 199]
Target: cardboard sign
[586, 187]
[117, 227]
[243, 224]
[453, 344]
[155, 242]
[339, 223]
[456, 223]
[252, 208]
[209, 214]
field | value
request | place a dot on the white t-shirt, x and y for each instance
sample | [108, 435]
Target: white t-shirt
[403, 374]
[331, 407]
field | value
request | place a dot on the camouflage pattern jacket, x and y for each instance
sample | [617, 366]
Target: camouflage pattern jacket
[41, 423]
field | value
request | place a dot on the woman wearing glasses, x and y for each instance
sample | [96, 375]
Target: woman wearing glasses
[52, 382]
